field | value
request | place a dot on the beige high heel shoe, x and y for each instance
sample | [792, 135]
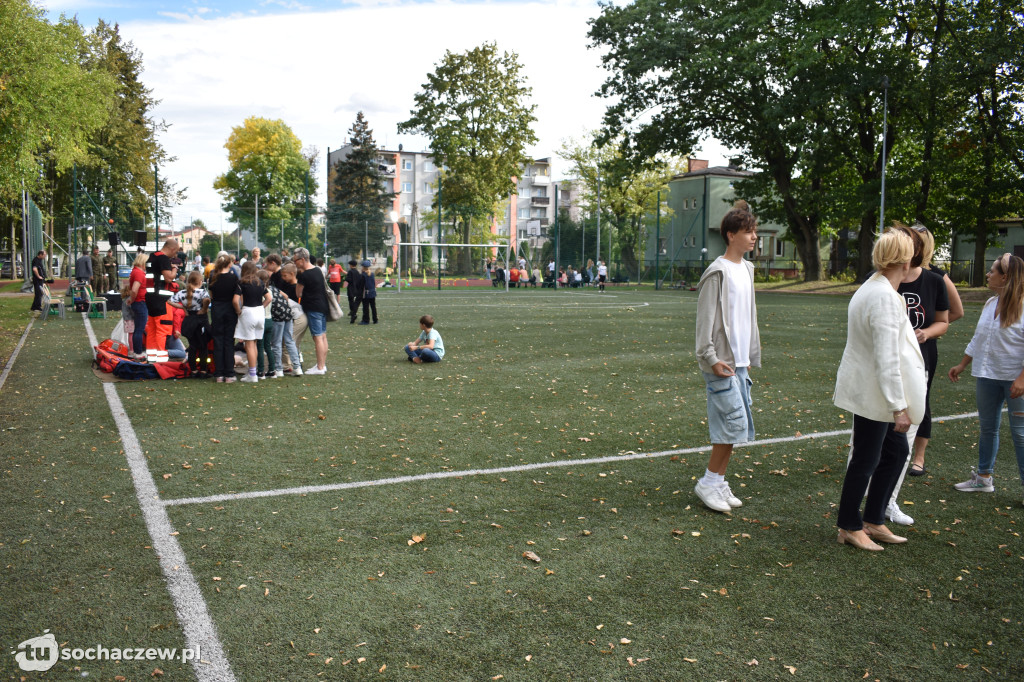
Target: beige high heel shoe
[883, 535]
[848, 538]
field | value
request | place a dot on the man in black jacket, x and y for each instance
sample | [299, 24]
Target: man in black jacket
[354, 289]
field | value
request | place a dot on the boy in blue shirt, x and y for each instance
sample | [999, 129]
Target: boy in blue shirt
[428, 347]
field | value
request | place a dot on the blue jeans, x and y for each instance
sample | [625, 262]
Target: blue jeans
[175, 349]
[990, 395]
[424, 354]
[141, 313]
[283, 333]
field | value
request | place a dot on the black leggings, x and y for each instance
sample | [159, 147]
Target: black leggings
[193, 328]
[223, 333]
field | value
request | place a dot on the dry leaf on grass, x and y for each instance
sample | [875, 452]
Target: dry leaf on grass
[532, 556]
[791, 669]
[416, 539]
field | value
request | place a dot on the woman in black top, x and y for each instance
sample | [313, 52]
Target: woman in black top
[249, 301]
[223, 285]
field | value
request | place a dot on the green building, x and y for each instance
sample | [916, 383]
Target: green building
[690, 239]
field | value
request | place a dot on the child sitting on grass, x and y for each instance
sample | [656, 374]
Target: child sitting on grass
[428, 347]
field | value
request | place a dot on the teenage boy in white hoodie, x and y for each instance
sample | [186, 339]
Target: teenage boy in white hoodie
[727, 344]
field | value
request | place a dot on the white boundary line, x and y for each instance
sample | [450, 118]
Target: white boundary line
[196, 623]
[308, 489]
[14, 356]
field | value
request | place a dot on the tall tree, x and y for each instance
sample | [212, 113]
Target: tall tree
[119, 170]
[474, 109]
[359, 196]
[629, 192]
[49, 103]
[266, 162]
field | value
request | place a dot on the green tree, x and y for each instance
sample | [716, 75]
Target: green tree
[629, 192]
[474, 110]
[123, 153]
[49, 103]
[267, 162]
[359, 198]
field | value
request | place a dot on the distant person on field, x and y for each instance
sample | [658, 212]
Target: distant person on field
[334, 277]
[727, 343]
[98, 278]
[602, 275]
[353, 289]
[83, 268]
[369, 294]
[110, 268]
[265, 346]
[38, 280]
[428, 346]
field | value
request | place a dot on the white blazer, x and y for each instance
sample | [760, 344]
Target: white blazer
[882, 370]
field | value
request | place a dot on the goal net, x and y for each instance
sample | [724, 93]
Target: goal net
[432, 265]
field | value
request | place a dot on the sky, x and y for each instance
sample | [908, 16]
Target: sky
[315, 63]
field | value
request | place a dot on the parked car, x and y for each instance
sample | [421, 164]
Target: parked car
[5, 269]
[124, 271]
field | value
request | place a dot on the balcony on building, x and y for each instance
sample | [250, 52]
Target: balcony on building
[541, 179]
[540, 201]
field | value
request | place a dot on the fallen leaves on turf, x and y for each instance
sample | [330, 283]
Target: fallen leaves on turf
[532, 556]
[416, 539]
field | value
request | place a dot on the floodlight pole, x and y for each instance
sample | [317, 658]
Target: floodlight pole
[657, 245]
[598, 171]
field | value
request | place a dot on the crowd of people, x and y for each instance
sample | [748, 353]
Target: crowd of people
[265, 305]
[884, 377]
[518, 275]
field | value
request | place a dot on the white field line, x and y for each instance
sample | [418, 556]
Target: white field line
[196, 624]
[14, 355]
[309, 489]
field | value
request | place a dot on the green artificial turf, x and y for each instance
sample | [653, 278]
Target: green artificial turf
[626, 551]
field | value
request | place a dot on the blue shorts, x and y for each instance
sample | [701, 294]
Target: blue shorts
[729, 416]
[317, 323]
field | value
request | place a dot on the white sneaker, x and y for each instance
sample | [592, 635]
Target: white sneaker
[296, 371]
[896, 515]
[976, 484]
[729, 497]
[712, 497]
[275, 375]
[316, 371]
[250, 379]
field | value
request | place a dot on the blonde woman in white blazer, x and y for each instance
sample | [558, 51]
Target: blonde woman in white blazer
[882, 381]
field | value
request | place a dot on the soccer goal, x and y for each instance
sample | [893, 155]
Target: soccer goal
[441, 253]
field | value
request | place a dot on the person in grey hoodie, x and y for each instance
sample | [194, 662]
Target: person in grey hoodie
[728, 344]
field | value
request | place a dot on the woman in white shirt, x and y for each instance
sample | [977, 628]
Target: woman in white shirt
[881, 380]
[997, 351]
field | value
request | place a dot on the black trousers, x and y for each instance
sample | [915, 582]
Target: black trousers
[353, 307]
[368, 305]
[193, 328]
[37, 300]
[224, 319]
[878, 455]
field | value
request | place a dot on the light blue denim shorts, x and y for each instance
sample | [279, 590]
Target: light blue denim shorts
[730, 420]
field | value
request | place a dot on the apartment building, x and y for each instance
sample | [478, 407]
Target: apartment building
[413, 177]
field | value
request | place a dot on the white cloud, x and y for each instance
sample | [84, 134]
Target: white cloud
[317, 70]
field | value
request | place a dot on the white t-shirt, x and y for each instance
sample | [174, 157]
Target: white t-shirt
[741, 296]
[602, 270]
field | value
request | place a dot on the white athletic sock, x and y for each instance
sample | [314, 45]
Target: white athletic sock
[711, 478]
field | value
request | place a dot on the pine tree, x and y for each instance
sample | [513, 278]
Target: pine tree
[359, 196]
